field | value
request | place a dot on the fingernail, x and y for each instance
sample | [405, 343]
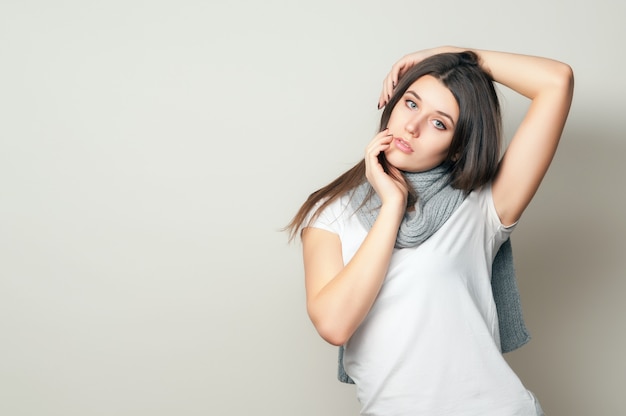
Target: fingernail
[378, 105]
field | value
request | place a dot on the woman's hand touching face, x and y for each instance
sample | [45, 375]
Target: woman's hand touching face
[390, 187]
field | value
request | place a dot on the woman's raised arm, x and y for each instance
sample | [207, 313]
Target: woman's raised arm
[549, 85]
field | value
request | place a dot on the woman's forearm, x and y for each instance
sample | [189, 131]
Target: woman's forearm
[339, 307]
[527, 75]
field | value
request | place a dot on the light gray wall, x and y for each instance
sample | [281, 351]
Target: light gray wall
[150, 151]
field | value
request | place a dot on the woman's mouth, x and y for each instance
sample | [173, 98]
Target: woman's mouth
[402, 145]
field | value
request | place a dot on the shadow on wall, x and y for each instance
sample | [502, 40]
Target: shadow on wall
[571, 261]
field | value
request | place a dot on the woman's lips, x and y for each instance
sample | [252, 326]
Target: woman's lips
[402, 145]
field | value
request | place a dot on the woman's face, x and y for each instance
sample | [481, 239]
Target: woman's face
[422, 124]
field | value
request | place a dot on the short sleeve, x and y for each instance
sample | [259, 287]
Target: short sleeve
[497, 230]
[329, 218]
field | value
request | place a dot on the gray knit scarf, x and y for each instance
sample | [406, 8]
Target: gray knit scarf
[437, 200]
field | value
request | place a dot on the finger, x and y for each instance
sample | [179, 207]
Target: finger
[387, 91]
[380, 134]
[384, 94]
[383, 135]
[389, 86]
[379, 143]
[396, 72]
[391, 81]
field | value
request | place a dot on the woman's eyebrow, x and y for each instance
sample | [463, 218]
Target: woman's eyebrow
[418, 98]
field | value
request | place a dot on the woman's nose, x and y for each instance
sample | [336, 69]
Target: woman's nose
[413, 125]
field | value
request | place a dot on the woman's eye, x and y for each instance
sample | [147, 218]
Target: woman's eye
[438, 124]
[411, 104]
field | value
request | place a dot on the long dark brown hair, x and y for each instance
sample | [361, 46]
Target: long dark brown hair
[474, 152]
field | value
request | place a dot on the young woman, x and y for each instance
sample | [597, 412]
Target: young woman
[407, 261]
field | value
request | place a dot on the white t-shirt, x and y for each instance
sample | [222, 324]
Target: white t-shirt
[430, 343]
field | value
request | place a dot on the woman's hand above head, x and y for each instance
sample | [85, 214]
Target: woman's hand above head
[402, 65]
[390, 187]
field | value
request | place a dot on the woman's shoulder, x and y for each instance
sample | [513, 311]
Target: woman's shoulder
[330, 216]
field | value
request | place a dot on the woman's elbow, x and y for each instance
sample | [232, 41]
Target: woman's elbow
[332, 336]
[330, 329]
[566, 77]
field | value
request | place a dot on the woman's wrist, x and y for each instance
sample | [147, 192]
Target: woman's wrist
[393, 209]
[450, 49]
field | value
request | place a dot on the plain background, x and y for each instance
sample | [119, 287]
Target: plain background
[150, 152]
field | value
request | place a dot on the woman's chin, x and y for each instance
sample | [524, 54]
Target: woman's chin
[403, 166]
